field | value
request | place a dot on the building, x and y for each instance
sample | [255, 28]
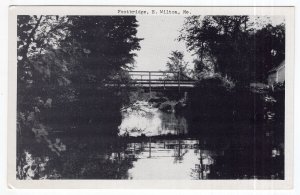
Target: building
[277, 74]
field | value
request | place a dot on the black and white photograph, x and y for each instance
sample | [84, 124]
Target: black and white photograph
[151, 94]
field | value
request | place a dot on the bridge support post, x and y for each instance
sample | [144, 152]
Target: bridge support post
[185, 96]
[150, 83]
[164, 75]
[179, 81]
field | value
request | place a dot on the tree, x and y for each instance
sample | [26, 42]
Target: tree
[240, 51]
[176, 63]
[106, 44]
[63, 63]
[42, 66]
[43, 80]
[268, 44]
[66, 59]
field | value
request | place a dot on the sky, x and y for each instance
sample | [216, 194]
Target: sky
[160, 34]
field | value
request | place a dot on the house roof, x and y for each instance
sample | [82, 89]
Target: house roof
[282, 64]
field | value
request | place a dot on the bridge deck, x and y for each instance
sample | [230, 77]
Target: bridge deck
[156, 79]
[152, 85]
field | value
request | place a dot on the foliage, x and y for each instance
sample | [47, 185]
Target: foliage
[233, 46]
[279, 86]
[62, 58]
[63, 63]
[107, 43]
[215, 80]
[43, 80]
[176, 63]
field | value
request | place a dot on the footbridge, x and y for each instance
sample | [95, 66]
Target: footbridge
[157, 80]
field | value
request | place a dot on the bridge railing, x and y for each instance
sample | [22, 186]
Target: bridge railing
[160, 78]
[150, 79]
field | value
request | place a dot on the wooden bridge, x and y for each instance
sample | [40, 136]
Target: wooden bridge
[158, 80]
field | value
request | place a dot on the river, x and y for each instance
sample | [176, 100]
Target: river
[162, 158]
[154, 144]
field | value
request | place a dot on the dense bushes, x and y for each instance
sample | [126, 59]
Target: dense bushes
[213, 103]
[211, 100]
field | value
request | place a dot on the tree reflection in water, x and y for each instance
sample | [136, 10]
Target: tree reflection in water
[169, 151]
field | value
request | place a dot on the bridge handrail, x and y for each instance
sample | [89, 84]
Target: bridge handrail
[155, 78]
[156, 71]
[160, 73]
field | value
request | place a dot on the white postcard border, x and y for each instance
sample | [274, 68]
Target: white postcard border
[287, 183]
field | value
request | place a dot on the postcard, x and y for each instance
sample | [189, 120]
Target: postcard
[151, 97]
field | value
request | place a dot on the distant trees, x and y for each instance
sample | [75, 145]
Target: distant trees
[176, 63]
[233, 46]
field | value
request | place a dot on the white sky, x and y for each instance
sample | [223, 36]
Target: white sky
[160, 34]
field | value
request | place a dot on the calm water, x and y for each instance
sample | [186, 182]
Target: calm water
[143, 119]
[156, 145]
[162, 159]
[170, 159]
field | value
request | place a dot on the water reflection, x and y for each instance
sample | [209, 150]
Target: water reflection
[153, 144]
[170, 159]
[143, 119]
